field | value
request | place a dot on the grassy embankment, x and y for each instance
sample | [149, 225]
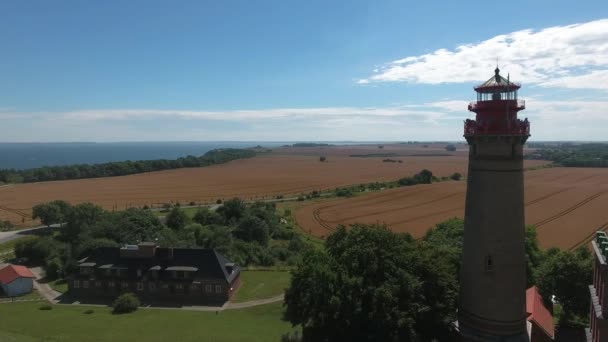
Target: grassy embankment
[261, 285]
[25, 322]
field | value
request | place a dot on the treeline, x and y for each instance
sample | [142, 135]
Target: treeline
[122, 168]
[571, 155]
[247, 234]
[423, 177]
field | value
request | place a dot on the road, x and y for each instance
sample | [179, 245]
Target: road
[15, 234]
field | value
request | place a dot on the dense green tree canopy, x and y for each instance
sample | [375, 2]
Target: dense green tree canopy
[567, 276]
[177, 219]
[370, 284]
[52, 212]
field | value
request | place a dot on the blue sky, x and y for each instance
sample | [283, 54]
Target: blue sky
[287, 70]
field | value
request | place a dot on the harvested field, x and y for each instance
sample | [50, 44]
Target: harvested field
[263, 176]
[567, 205]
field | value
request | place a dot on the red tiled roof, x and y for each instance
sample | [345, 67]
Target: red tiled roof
[538, 313]
[12, 272]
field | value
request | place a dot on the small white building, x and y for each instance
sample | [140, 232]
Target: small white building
[16, 280]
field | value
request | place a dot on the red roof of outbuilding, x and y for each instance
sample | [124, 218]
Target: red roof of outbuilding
[538, 313]
[12, 272]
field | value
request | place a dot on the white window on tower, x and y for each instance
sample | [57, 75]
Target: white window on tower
[489, 263]
[76, 284]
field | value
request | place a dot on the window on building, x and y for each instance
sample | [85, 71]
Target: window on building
[76, 284]
[139, 273]
[85, 284]
[489, 263]
[179, 286]
[218, 288]
[85, 270]
[110, 284]
[140, 286]
[208, 288]
[152, 286]
[98, 284]
[124, 284]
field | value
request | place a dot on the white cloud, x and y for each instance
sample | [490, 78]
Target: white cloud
[253, 115]
[439, 120]
[572, 56]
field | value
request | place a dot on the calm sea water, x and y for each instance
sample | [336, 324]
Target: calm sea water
[30, 155]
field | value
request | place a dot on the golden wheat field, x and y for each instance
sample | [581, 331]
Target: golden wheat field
[567, 205]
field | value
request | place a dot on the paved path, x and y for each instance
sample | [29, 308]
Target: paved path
[15, 234]
[256, 302]
[44, 289]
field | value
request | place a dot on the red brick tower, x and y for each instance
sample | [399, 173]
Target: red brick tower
[598, 315]
[493, 274]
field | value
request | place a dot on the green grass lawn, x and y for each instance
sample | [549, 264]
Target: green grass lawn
[261, 284]
[59, 285]
[34, 295]
[24, 322]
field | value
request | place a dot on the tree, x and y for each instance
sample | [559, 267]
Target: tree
[322, 159]
[252, 228]
[424, 177]
[232, 210]
[205, 216]
[131, 226]
[567, 276]
[52, 212]
[125, 303]
[79, 221]
[370, 284]
[177, 219]
[456, 176]
[450, 148]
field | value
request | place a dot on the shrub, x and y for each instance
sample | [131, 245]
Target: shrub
[89, 311]
[219, 201]
[192, 203]
[343, 192]
[300, 198]
[456, 176]
[295, 337]
[450, 148]
[322, 159]
[45, 307]
[125, 303]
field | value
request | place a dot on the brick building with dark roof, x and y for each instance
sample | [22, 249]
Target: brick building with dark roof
[156, 274]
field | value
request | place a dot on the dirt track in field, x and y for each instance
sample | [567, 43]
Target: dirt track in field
[567, 205]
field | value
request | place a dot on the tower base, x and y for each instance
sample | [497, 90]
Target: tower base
[469, 335]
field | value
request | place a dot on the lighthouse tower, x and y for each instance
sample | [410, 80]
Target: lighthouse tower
[493, 273]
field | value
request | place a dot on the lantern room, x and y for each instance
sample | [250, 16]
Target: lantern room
[496, 109]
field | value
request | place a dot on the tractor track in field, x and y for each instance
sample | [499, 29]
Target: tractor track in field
[326, 224]
[565, 212]
[14, 211]
[409, 206]
[589, 237]
[544, 197]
